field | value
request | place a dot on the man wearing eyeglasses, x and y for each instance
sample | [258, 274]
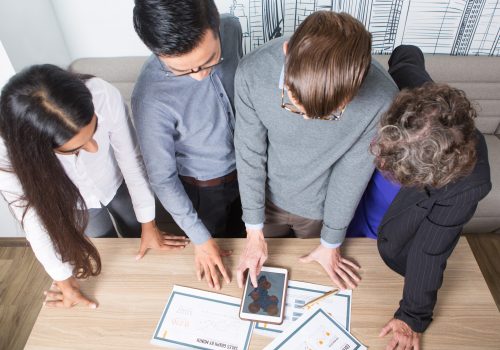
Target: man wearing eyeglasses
[307, 110]
[184, 116]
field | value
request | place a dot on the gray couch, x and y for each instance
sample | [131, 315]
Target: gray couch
[479, 77]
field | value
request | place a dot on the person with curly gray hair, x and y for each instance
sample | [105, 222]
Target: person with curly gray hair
[432, 170]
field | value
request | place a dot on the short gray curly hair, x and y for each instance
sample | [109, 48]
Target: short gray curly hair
[427, 137]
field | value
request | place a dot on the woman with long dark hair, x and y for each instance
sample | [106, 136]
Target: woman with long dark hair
[66, 147]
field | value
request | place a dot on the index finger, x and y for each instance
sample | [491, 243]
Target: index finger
[349, 262]
[53, 295]
[240, 277]
[223, 271]
[335, 278]
[252, 272]
[215, 277]
[208, 276]
[392, 344]
[175, 237]
[350, 272]
[387, 328]
[54, 303]
[345, 278]
[403, 343]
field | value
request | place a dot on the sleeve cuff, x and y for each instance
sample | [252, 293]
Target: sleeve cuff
[332, 235]
[329, 245]
[253, 216]
[145, 214]
[199, 235]
[254, 226]
[417, 325]
[61, 272]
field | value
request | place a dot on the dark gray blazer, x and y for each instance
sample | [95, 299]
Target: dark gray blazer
[421, 227]
[419, 232]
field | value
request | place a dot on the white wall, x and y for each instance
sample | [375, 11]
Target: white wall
[98, 28]
[6, 69]
[9, 227]
[103, 28]
[30, 33]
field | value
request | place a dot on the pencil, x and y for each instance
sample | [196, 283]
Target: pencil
[321, 297]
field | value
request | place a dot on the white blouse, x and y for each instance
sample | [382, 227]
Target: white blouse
[97, 175]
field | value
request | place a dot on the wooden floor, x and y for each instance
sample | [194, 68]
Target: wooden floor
[486, 249]
[23, 280]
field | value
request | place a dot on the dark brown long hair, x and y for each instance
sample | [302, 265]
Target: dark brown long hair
[41, 108]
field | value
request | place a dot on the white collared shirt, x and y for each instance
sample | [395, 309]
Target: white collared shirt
[97, 175]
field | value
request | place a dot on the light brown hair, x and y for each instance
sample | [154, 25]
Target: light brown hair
[328, 57]
[427, 137]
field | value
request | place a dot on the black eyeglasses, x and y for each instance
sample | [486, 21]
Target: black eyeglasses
[197, 70]
[292, 108]
[201, 68]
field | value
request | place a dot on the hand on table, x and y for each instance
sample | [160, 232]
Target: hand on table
[341, 271]
[253, 257]
[207, 259]
[403, 337]
[153, 238]
[67, 294]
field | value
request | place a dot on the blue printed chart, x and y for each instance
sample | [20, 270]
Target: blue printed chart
[315, 330]
[337, 306]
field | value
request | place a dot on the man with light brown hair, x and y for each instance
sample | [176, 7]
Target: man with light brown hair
[307, 110]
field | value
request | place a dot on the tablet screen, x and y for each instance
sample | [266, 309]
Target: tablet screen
[266, 299]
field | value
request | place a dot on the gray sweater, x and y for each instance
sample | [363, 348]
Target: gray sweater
[313, 168]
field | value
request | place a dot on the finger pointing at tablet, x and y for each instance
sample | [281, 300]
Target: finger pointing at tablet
[253, 257]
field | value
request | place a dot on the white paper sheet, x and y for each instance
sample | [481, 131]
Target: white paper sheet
[196, 319]
[337, 306]
[315, 330]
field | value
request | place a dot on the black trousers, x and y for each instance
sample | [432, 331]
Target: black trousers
[407, 67]
[219, 208]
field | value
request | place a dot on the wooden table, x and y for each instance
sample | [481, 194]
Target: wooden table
[132, 296]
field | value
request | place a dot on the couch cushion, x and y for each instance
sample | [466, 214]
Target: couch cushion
[111, 69]
[478, 76]
[487, 216]
[482, 224]
[122, 72]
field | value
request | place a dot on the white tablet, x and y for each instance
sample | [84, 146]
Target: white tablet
[266, 303]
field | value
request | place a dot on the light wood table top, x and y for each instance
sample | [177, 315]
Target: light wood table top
[132, 295]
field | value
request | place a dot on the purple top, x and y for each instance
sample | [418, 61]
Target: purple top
[372, 207]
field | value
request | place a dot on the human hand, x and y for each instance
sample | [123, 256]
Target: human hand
[341, 271]
[67, 294]
[253, 257]
[403, 337]
[207, 259]
[153, 238]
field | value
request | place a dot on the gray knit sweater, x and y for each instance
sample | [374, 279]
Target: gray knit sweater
[313, 168]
